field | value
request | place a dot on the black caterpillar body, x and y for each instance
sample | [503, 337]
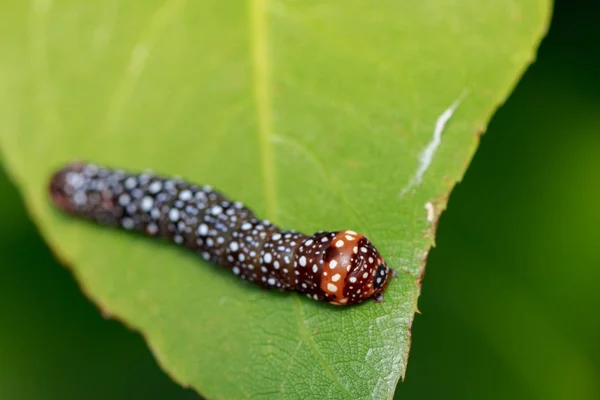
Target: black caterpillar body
[338, 267]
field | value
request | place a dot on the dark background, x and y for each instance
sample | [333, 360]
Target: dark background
[511, 296]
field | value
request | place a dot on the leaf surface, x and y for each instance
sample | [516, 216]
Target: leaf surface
[318, 116]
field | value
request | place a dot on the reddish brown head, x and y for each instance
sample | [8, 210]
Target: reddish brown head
[353, 270]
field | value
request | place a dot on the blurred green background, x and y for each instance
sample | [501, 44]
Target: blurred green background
[511, 296]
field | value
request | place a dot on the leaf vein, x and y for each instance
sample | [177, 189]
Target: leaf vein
[261, 77]
[309, 340]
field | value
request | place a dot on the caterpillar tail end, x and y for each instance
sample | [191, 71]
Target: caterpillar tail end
[60, 189]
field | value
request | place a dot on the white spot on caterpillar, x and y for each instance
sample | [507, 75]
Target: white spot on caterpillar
[332, 264]
[336, 277]
[267, 257]
[152, 229]
[352, 279]
[130, 183]
[185, 195]
[124, 199]
[302, 261]
[146, 203]
[127, 223]
[234, 246]
[155, 187]
[79, 198]
[203, 229]
[75, 180]
[339, 243]
[174, 214]
[331, 287]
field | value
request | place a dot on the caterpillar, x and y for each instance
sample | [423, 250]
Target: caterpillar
[341, 268]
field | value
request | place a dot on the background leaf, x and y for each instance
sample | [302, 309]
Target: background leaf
[312, 114]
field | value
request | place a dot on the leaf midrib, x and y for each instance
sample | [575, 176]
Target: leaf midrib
[261, 78]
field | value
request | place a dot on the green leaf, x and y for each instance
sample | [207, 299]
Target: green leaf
[316, 115]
